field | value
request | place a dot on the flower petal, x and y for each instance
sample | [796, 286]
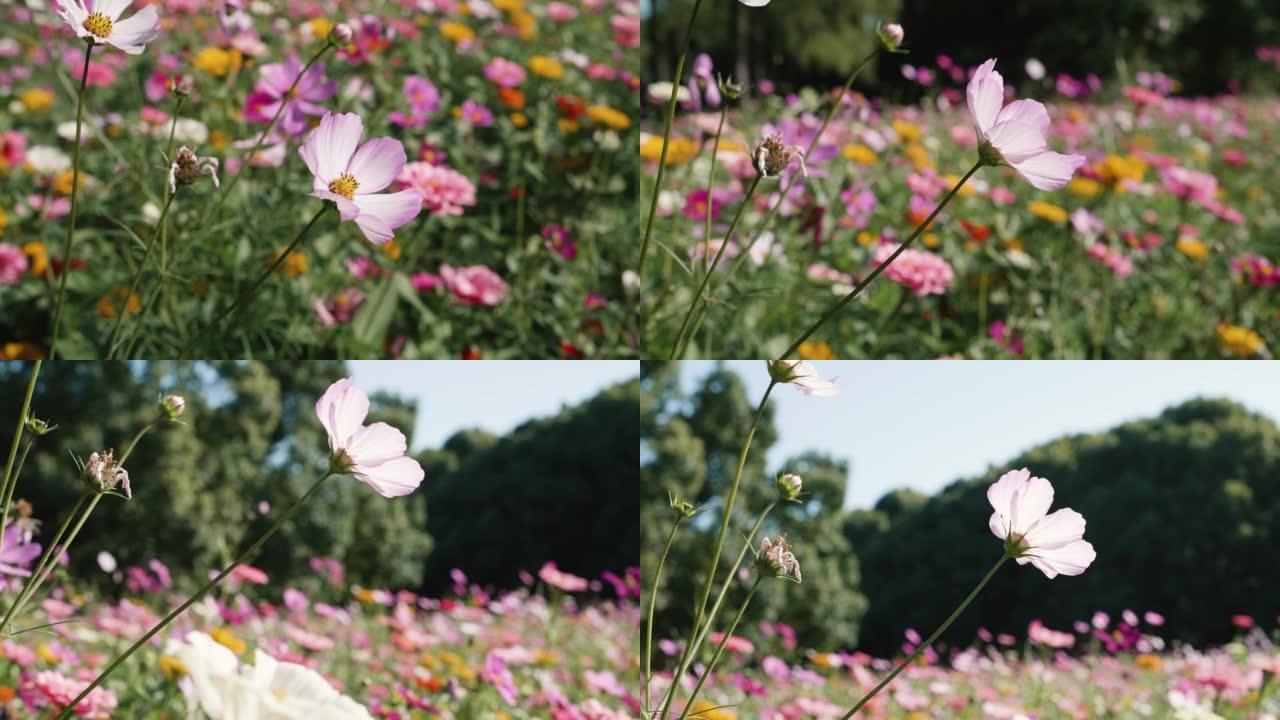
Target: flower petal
[375, 444]
[1048, 170]
[1028, 111]
[392, 479]
[1017, 140]
[133, 34]
[332, 145]
[376, 164]
[342, 410]
[1030, 504]
[113, 9]
[392, 209]
[1054, 531]
[1071, 559]
[1001, 495]
[985, 95]
[347, 210]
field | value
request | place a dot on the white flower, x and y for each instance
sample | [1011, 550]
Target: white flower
[1053, 542]
[102, 23]
[45, 160]
[106, 562]
[804, 376]
[1035, 69]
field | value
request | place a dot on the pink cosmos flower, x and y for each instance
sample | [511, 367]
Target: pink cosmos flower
[561, 580]
[504, 73]
[920, 271]
[19, 552]
[476, 115]
[474, 285]
[804, 376]
[1015, 135]
[374, 454]
[341, 309]
[444, 191]
[273, 85]
[49, 690]
[1052, 542]
[561, 12]
[99, 22]
[424, 100]
[13, 263]
[349, 177]
[13, 149]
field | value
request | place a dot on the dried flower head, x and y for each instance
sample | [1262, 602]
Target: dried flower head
[772, 157]
[104, 475]
[775, 559]
[187, 167]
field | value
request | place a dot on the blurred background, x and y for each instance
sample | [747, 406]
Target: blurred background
[1174, 465]
[1208, 46]
[526, 463]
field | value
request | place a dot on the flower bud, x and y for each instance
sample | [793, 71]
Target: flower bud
[683, 508]
[103, 475]
[341, 34]
[729, 88]
[772, 157]
[776, 560]
[891, 36]
[789, 486]
[173, 406]
[39, 427]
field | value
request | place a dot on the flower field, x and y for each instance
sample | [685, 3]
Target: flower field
[561, 647]
[478, 218]
[1104, 667]
[1162, 244]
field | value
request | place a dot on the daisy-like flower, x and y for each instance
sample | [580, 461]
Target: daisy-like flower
[1053, 542]
[1015, 135]
[349, 176]
[374, 454]
[804, 376]
[98, 21]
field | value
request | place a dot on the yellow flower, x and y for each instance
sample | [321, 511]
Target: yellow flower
[547, 658]
[21, 351]
[965, 190]
[36, 99]
[1147, 661]
[1115, 168]
[1084, 187]
[219, 140]
[392, 249]
[116, 299]
[519, 119]
[457, 32]
[363, 595]
[931, 240]
[294, 265]
[815, 350]
[227, 639]
[918, 156]
[865, 238]
[679, 150]
[172, 667]
[47, 654]
[4, 220]
[568, 126]
[1241, 341]
[707, 710]
[1047, 211]
[605, 115]
[1192, 247]
[62, 182]
[1013, 244]
[509, 5]
[320, 27]
[37, 257]
[909, 132]
[217, 61]
[546, 67]
[858, 153]
[525, 24]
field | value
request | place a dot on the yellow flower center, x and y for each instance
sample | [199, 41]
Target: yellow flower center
[345, 186]
[98, 24]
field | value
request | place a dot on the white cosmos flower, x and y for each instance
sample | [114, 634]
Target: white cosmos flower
[99, 22]
[804, 376]
[46, 160]
[1052, 541]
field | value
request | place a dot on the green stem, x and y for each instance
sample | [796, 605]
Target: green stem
[715, 658]
[163, 226]
[682, 338]
[8, 490]
[773, 211]
[137, 276]
[6, 485]
[648, 621]
[246, 294]
[48, 563]
[253, 550]
[936, 634]
[666, 136]
[262, 139]
[880, 268]
[75, 187]
[700, 608]
[711, 181]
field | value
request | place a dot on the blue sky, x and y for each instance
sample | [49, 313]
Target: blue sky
[495, 395]
[923, 424]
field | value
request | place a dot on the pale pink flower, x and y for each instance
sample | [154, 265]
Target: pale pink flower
[13, 262]
[444, 191]
[804, 376]
[18, 553]
[474, 285]
[920, 271]
[273, 88]
[1053, 542]
[504, 73]
[349, 176]
[49, 690]
[99, 22]
[1015, 135]
[561, 580]
[374, 454]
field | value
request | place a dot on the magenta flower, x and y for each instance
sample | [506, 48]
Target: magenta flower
[475, 285]
[444, 191]
[13, 263]
[1015, 135]
[504, 73]
[374, 454]
[272, 88]
[476, 114]
[1053, 542]
[18, 552]
[349, 176]
[424, 100]
[98, 21]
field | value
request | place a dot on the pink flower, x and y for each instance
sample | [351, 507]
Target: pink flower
[561, 12]
[920, 271]
[13, 149]
[273, 88]
[560, 241]
[340, 309]
[374, 454]
[13, 263]
[1052, 542]
[49, 690]
[1015, 135]
[19, 552]
[561, 580]
[474, 285]
[102, 23]
[349, 177]
[504, 73]
[424, 281]
[424, 100]
[1190, 184]
[443, 190]
[476, 114]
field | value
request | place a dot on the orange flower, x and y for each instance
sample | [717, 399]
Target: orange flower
[511, 97]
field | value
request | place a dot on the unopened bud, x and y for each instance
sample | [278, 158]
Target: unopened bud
[682, 507]
[729, 88]
[789, 486]
[891, 36]
[39, 427]
[341, 34]
[173, 406]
